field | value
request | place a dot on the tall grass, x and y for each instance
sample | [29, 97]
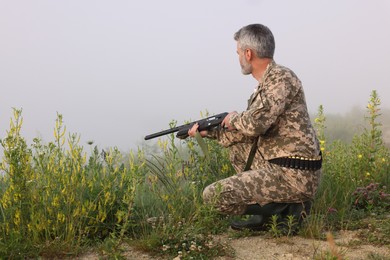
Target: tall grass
[56, 201]
[348, 169]
[172, 216]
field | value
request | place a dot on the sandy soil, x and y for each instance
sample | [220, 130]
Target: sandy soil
[345, 245]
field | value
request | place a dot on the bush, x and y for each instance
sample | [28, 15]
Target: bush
[348, 166]
[53, 201]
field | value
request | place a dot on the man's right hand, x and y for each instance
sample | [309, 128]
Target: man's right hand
[225, 123]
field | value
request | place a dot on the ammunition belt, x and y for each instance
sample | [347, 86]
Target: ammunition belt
[298, 163]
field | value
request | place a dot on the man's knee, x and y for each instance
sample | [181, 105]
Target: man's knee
[208, 194]
[224, 204]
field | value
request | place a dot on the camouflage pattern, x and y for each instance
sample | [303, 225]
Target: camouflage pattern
[277, 114]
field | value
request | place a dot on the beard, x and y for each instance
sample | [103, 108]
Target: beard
[246, 67]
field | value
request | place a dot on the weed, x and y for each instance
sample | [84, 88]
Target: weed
[54, 201]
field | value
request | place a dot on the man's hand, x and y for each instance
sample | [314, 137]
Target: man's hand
[194, 128]
[225, 123]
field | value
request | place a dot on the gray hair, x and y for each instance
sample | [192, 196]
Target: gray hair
[258, 38]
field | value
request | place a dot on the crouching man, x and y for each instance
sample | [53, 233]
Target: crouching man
[281, 174]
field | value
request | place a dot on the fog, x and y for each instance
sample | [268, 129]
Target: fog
[119, 70]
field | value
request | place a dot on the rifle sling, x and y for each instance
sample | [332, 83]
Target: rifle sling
[251, 155]
[202, 144]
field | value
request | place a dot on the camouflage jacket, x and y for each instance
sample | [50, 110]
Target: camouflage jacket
[278, 115]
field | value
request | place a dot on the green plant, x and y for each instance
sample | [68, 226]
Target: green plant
[371, 196]
[275, 226]
[15, 197]
[346, 167]
[174, 215]
[54, 201]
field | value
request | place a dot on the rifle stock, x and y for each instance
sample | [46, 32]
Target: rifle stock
[182, 131]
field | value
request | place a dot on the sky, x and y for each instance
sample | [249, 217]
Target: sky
[119, 70]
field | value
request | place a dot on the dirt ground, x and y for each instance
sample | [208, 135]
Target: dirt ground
[344, 245]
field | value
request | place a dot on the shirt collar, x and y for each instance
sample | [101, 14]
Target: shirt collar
[267, 70]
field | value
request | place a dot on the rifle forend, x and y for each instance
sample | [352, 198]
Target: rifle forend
[182, 131]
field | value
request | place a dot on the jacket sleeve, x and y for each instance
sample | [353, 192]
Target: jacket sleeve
[227, 138]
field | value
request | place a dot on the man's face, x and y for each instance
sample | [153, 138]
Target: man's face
[246, 67]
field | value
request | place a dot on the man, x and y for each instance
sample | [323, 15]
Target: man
[283, 172]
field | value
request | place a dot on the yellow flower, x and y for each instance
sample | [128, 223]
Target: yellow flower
[165, 197]
[360, 156]
[61, 217]
[225, 168]
[55, 202]
[368, 174]
[17, 217]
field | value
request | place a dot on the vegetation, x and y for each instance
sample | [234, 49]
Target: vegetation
[55, 201]
[355, 183]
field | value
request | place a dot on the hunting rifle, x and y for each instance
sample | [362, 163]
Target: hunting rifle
[182, 131]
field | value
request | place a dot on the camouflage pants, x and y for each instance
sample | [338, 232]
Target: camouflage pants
[266, 183]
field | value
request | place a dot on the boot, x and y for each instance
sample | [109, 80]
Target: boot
[260, 216]
[299, 211]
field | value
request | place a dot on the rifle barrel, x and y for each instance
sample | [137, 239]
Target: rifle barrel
[164, 132]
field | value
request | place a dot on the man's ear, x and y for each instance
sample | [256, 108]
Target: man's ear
[248, 54]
